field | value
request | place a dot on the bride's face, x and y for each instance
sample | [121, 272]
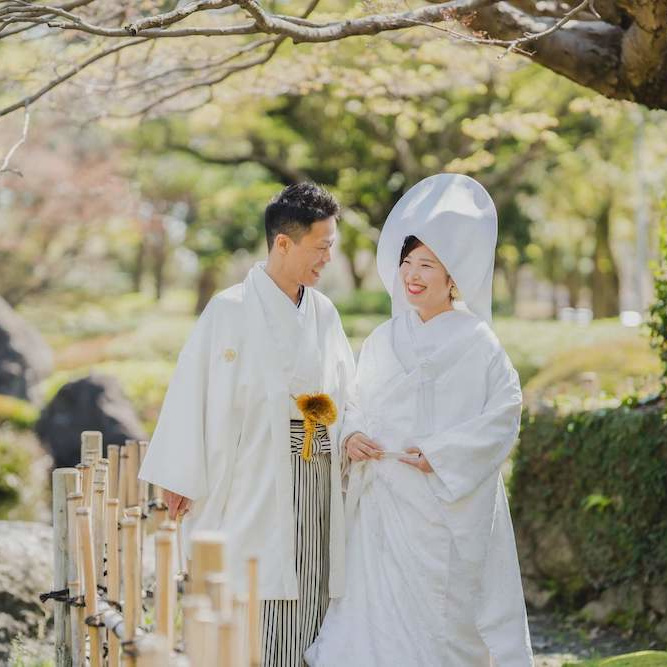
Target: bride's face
[425, 280]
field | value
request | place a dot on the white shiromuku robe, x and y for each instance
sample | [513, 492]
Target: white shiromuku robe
[223, 436]
[432, 572]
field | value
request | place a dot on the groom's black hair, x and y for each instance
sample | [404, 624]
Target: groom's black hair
[296, 208]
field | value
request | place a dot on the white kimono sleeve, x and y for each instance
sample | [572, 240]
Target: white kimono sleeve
[468, 453]
[176, 456]
[353, 421]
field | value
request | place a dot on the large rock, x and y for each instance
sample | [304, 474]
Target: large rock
[94, 403]
[554, 555]
[537, 597]
[26, 570]
[657, 599]
[25, 358]
[626, 598]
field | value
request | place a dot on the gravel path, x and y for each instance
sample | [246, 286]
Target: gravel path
[557, 640]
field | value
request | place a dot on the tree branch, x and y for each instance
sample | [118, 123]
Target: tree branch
[285, 174]
[68, 75]
[587, 52]
[5, 164]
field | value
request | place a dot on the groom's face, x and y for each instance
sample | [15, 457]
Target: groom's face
[306, 257]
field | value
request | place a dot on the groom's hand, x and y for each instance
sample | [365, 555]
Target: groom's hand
[176, 504]
[361, 448]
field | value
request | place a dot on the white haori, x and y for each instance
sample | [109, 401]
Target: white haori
[223, 436]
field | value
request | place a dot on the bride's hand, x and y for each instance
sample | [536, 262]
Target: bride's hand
[361, 448]
[421, 463]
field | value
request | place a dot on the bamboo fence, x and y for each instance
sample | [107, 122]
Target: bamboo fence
[105, 615]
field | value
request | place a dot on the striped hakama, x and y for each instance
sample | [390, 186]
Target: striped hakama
[289, 627]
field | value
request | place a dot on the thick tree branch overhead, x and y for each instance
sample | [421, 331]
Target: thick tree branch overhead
[615, 47]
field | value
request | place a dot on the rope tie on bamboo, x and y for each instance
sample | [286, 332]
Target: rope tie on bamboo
[154, 504]
[116, 625]
[129, 647]
[116, 605]
[63, 596]
[95, 620]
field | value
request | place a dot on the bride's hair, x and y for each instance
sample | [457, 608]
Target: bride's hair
[410, 243]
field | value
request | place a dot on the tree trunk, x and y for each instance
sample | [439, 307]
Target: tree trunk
[207, 284]
[159, 246]
[357, 278]
[551, 259]
[573, 284]
[138, 268]
[512, 280]
[605, 282]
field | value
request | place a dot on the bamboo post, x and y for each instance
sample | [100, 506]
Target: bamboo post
[226, 640]
[91, 447]
[99, 524]
[207, 620]
[85, 536]
[113, 572]
[182, 562]
[135, 513]
[143, 486]
[64, 483]
[165, 585]
[240, 619]
[221, 595]
[122, 478]
[219, 590]
[158, 495]
[254, 636]
[103, 464]
[79, 469]
[192, 639]
[160, 516]
[87, 472]
[153, 652]
[113, 452]
[132, 604]
[132, 447]
[75, 582]
[208, 555]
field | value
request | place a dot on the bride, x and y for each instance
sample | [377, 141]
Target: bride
[432, 576]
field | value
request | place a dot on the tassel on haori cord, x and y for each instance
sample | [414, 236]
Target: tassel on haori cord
[316, 409]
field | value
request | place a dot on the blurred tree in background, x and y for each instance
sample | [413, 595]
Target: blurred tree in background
[367, 118]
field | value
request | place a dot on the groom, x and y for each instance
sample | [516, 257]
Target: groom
[228, 446]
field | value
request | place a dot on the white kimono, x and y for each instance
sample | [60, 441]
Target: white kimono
[223, 436]
[432, 571]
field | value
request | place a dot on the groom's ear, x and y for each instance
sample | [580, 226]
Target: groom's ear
[282, 244]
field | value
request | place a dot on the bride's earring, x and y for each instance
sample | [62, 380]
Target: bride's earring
[454, 294]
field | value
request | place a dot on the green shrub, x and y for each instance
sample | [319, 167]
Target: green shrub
[17, 413]
[621, 367]
[14, 473]
[533, 344]
[657, 321]
[366, 302]
[601, 477]
[641, 659]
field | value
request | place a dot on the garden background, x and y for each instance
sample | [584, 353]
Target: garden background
[136, 162]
